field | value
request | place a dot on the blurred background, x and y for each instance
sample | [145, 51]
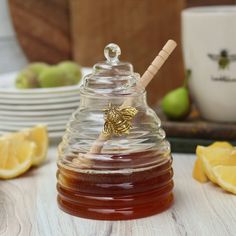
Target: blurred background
[56, 30]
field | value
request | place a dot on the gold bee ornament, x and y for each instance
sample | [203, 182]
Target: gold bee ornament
[118, 120]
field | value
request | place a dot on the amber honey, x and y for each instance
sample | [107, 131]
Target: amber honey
[117, 195]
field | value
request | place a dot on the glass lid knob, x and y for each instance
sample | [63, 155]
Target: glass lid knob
[112, 52]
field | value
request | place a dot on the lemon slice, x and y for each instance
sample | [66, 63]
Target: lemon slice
[213, 155]
[222, 144]
[15, 156]
[39, 136]
[226, 177]
[198, 171]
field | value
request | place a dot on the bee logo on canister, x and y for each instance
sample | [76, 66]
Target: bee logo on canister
[223, 59]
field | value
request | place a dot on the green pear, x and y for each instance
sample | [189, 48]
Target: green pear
[28, 77]
[37, 67]
[72, 69]
[176, 104]
[56, 76]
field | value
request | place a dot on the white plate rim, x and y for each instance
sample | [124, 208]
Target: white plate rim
[37, 113]
[40, 119]
[32, 123]
[15, 128]
[51, 135]
[39, 107]
[28, 101]
[38, 96]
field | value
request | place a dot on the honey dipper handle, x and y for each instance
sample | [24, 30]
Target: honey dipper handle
[153, 68]
[157, 63]
[98, 144]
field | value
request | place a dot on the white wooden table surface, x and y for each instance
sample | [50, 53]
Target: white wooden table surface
[28, 207]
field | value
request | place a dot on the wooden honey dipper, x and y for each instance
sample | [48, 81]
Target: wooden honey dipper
[141, 84]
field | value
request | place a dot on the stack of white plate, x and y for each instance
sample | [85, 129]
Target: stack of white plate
[23, 108]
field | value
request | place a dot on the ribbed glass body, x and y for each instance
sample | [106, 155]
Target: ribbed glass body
[130, 178]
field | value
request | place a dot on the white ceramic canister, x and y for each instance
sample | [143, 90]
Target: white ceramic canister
[209, 48]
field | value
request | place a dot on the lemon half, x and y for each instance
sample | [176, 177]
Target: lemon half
[15, 156]
[39, 136]
[218, 153]
[226, 177]
[19, 151]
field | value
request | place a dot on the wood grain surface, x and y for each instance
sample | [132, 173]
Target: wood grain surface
[42, 28]
[140, 28]
[194, 3]
[28, 208]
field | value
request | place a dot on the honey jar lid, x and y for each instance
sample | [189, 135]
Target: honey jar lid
[111, 76]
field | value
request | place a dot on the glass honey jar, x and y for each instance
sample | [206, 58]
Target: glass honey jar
[114, 161]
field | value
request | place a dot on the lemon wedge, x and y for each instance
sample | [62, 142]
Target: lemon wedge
[219, 153]
[15, 156]
[221, 144]
[19, 151]
[213, 156]
[38, 135]
[198, 172]
[226, 177]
